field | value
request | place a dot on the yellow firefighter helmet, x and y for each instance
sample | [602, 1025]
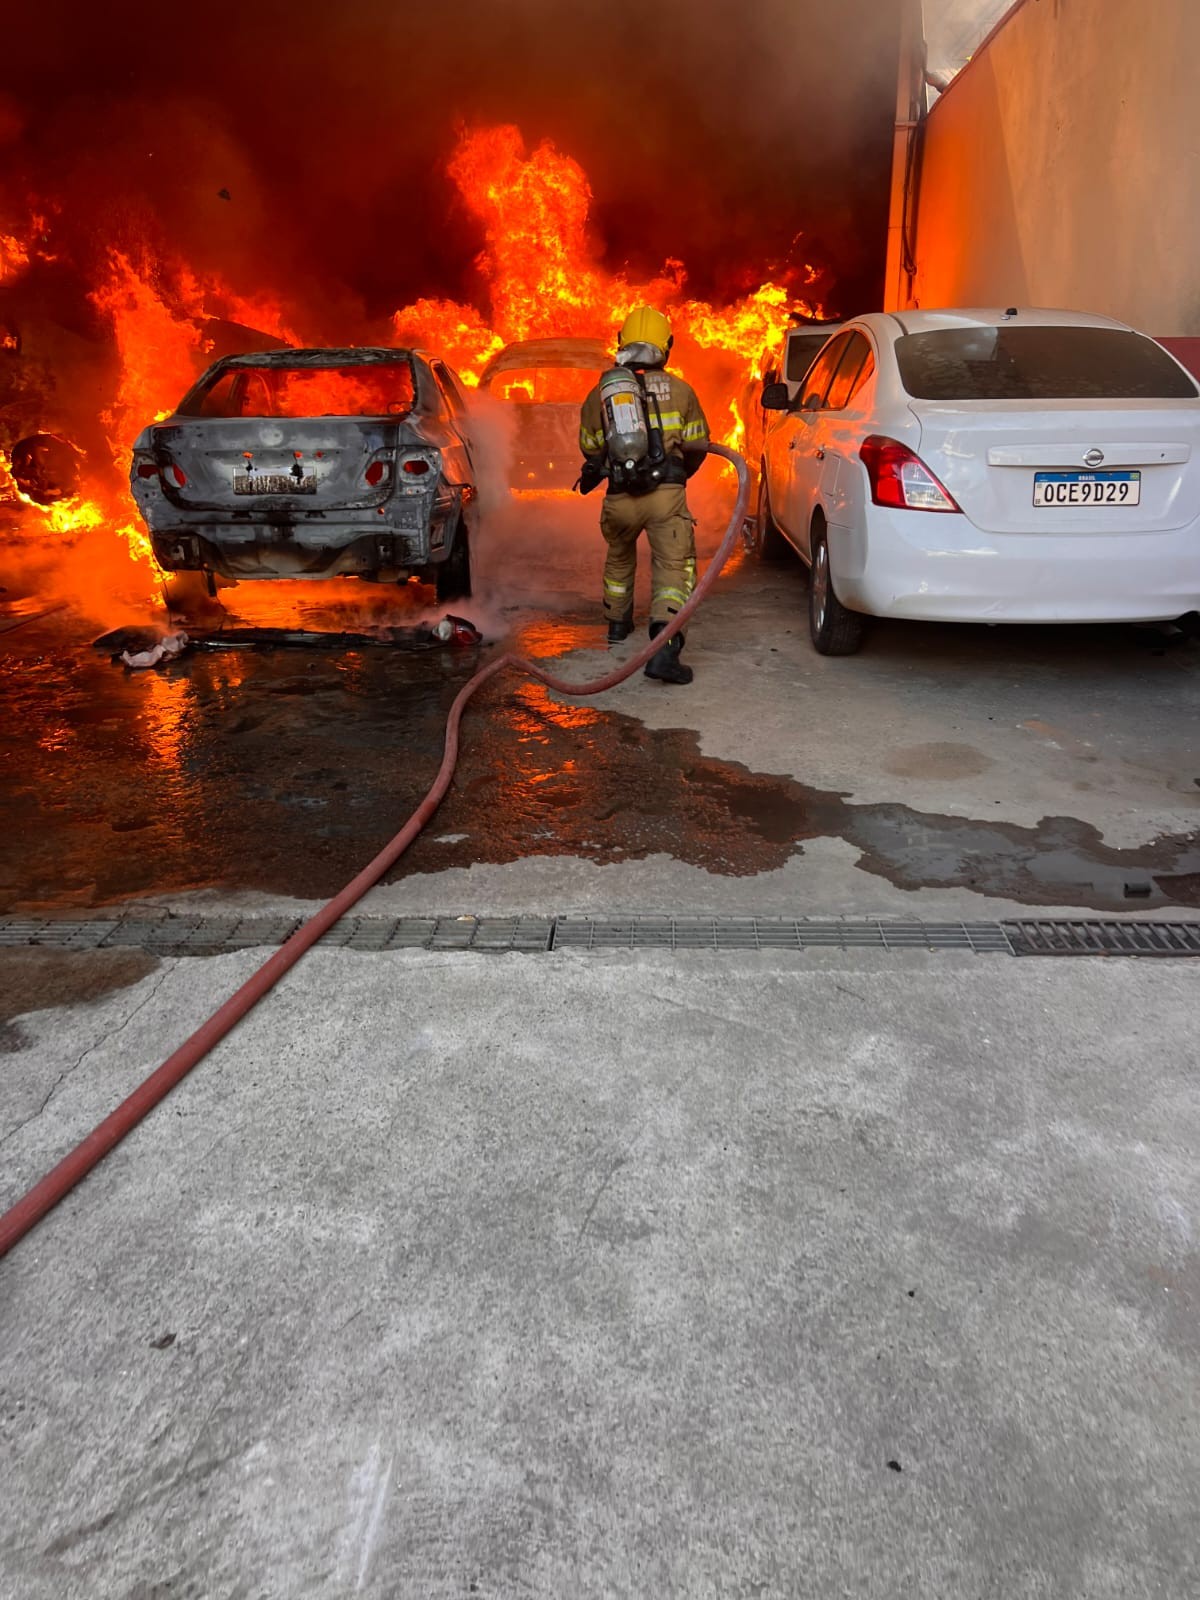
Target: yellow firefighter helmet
[645, 325]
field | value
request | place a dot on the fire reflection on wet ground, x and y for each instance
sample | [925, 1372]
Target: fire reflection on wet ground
[284, 771]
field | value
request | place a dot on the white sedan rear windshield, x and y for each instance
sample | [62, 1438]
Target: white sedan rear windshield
[1045, 363]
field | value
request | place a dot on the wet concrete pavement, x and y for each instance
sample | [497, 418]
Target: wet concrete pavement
[639, 1274]
[281, 772]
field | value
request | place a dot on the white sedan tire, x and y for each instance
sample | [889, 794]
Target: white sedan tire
[835, 631]
[766, 542]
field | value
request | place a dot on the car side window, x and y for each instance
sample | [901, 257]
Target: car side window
[800, 351]
[816, 384]
[845, 381]
[865, 375]
[219, 400]
[449, 390]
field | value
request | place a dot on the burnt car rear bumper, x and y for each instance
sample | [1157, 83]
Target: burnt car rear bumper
[194, 549]
[405, 538]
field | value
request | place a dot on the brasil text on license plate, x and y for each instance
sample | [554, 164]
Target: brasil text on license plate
[1087, 488]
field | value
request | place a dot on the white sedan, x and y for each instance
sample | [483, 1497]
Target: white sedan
[986, 466]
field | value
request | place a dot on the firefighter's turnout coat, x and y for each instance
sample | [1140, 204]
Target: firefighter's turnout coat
[663, 512]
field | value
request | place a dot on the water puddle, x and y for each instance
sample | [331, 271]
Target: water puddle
[285, 773]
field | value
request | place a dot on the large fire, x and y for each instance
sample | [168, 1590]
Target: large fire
[14, 257]
[541, 274]
[543, 280]
[156, 311]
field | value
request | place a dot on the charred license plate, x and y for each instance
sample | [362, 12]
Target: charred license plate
[274, 483]
[1087, 488]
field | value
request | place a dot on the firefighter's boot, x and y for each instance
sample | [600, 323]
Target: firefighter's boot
[620, 628]
[666, 665]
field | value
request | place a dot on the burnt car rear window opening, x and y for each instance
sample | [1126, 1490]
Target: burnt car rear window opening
[544, 385]
[1042, 363]
[381, 389]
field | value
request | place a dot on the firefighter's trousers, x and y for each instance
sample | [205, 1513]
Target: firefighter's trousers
[671, 531]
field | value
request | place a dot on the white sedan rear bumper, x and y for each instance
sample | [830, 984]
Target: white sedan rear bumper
[942, 568]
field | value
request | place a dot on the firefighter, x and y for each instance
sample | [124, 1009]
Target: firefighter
[646, 470]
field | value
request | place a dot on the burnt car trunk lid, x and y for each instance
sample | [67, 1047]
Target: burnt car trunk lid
[235, 465]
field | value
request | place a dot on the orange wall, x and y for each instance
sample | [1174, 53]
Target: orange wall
[1062, 167]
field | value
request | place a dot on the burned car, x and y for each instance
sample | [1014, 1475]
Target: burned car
[545, 381]
[314, 464]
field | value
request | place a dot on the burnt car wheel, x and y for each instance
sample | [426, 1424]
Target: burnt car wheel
[453, 577]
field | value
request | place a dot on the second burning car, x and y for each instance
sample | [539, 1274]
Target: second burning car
[544, 382]
[313, 464]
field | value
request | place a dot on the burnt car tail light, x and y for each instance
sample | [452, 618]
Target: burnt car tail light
[147, 469]
[416, 465]
[174, 475]
[378, 472]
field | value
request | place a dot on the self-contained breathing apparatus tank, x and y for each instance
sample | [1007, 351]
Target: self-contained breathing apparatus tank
[633, 435]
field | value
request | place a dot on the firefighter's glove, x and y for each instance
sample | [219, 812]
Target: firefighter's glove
[591, 475]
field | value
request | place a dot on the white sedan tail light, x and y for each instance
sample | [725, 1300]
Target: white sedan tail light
[900, 479]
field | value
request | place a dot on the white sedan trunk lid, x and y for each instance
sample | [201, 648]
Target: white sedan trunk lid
[1135, 465]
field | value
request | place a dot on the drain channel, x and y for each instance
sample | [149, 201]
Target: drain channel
[1049, 938]
[168, 935]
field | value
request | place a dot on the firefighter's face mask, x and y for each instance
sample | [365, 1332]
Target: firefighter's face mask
[642, 355]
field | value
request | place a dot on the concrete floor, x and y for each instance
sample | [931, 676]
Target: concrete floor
[614, 1275]
[627, 1274]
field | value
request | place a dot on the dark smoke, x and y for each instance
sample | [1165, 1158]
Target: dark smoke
[300, 147]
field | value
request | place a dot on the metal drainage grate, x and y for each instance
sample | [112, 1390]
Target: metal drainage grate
[529, 934]
[1104, 938]
[196, 935]
[773, 933]
[167, 935]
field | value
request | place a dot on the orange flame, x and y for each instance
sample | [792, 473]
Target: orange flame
[156, 315]
[158, 346]
[253, 311]
[543, 280]
[456, 332]
[14, 257]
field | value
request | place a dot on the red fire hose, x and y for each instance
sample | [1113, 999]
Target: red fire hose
[29, 1210]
